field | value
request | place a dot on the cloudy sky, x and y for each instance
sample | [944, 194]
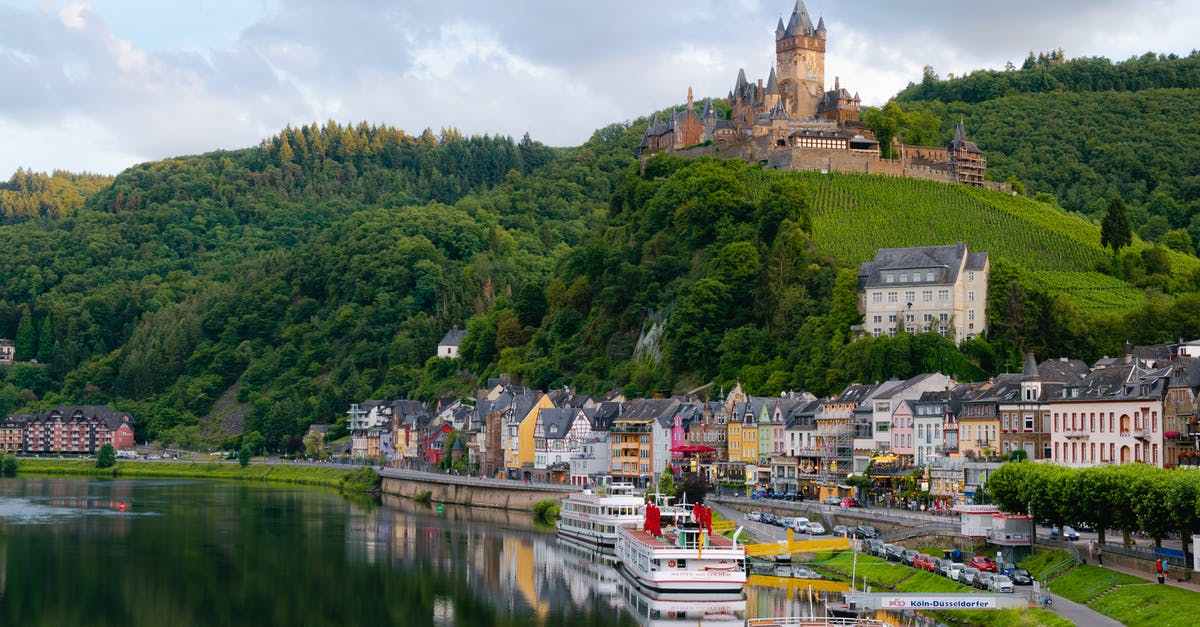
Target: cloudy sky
[105, 84]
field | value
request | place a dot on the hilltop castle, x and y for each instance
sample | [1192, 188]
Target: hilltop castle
[792, 122]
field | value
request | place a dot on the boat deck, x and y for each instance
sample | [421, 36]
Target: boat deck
[667, 540]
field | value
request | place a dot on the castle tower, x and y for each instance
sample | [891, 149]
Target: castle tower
[800, 59]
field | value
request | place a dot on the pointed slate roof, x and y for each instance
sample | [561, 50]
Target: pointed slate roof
[960, 140]
[1030, 371]
[800, 23]
[772, 84]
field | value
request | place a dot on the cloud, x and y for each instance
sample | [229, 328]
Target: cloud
[96, 84]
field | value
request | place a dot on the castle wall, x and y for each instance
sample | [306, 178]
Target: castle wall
[762, 150]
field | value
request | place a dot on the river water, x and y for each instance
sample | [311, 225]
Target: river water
[182, 553]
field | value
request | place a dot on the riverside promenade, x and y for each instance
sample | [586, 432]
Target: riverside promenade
[473, 491]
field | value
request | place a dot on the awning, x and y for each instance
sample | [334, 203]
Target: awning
[692, 448]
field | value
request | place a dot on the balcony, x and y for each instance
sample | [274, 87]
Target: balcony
[631, 427]
[1077, 435]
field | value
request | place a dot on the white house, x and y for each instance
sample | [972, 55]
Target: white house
[448, 347]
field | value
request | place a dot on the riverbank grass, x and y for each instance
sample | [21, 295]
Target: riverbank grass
[273, 473]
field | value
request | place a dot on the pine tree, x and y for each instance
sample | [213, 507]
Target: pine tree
[45, 350]
[26, 341]
[1115, 231]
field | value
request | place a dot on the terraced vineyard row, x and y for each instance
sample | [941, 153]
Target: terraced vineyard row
[1093, 292]
[855, 214]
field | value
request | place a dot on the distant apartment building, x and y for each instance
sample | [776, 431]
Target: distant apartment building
[7, 351]
[67, 429]
[928, 288]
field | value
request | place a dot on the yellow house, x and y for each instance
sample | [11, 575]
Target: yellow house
[733, 441]
[521, 449]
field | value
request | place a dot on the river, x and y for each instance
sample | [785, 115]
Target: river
[182, 553]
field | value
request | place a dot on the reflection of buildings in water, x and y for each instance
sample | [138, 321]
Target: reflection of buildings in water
[765, 600]
[86, 506]
[720, 610]
[500, 554]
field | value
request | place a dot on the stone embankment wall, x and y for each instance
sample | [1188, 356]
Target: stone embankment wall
[473, 491]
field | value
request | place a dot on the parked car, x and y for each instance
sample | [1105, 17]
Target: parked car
[953, 570]
[832, 500]
[872, 546]
[923, 561]
[841, 530]
[783, 521]
[850, 502]
[769, 518]
[939, 566]
[909, 556]
[1021, 577]
[967, 575]
[814, 528]
[983, 563]
[1000, 583]
[983, 580]
[895, 553]
[1068, 533]
[866, 531]
[754, 516]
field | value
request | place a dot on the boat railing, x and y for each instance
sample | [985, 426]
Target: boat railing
[813, 621]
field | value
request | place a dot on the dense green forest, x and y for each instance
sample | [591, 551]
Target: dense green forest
[29, 195]
[265, 289]
[1081, 131]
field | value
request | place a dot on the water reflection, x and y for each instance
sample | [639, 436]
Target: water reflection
[187, 553]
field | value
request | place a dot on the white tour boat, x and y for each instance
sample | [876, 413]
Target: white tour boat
[592, 518]
[686, 559]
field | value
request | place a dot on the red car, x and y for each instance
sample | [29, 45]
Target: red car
[984, 563]
[924, 561]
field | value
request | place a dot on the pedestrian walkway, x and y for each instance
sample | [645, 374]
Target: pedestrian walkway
[1149, 576]
[1080, 614]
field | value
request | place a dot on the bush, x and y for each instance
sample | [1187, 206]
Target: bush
[546, 510]
[244, 456]
[106, 457]
[8, 464]
[363, 479]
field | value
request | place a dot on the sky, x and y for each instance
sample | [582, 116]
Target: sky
[102, 85]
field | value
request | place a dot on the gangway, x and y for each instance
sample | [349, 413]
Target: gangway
[797, 583]
[789, 546]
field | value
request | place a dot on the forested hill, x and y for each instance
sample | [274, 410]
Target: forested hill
[1085, 130]
[29, 195]
[265, 289]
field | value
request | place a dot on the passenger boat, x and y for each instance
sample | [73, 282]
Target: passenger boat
[592, 518]
[688, 558]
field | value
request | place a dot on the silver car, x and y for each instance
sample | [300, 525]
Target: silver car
[967, 575]
[1000, 583]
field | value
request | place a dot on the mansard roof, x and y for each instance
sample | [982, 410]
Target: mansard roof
[948, 259]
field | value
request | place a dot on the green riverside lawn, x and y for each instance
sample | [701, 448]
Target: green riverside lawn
[256, 471]
[882, 574]
[1126, 598]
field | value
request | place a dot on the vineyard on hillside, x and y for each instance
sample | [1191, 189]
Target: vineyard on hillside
[854, 215]
[1092, 292]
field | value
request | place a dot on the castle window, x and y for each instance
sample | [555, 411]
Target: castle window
[970, 276]
[971, 316]
[888, 278]
[892, 297]
[877, 297]
[910, 296]
[928, 276]
[943, 295]
[971, 296]
[904, 277]
[926, 295]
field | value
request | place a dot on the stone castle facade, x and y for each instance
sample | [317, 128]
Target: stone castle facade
[792, 122]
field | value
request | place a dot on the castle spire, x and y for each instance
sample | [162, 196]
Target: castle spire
[960, 133]
[772, 83]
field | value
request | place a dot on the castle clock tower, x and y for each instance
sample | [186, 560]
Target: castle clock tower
[800, 58]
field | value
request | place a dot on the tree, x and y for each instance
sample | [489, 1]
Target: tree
[254, 442]
[244, 456]
[666, 483]
[8, 465]
[106, 457]
[1115, 231]
[314, 443]
[26, 342]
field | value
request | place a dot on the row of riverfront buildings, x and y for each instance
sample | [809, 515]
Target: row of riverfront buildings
[72, 429]
[1141, 407]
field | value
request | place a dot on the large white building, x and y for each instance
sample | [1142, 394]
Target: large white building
[928, 288]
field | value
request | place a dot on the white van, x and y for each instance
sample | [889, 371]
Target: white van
[800, 524]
